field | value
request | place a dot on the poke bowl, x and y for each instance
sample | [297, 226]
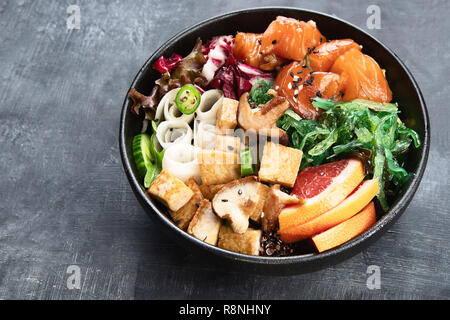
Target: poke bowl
[312, 164]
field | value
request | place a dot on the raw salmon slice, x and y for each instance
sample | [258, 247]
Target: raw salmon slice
[323, 57]
[247, 49]
[296, 83]
[322, 187]
[355, 202]
[362, 77]
[290, 38]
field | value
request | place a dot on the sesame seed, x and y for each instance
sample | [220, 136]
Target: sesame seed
[290, 85]
[274, 41]
[319, 94]
[317, 51]
[224, 200]
[240, 191]
[300, 71]
[291, 74]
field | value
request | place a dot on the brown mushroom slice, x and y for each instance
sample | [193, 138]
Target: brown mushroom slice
[263, 192]
[236, 201]
[275, 201]
[210, 190]
[263, 117]
[248, 242]
[275, 135]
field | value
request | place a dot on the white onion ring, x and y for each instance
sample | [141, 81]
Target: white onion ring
[205, 135]
[173, 131]
[209, 105]
[180, 159]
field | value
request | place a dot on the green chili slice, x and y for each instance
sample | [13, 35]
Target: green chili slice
[188, 99]
[246, 163]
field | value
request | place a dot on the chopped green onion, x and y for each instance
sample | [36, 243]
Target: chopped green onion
[246, 163]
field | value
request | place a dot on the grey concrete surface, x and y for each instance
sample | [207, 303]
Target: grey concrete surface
[64, 199]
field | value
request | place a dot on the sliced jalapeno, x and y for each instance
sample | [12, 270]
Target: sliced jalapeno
[188, 99]
[246, 163]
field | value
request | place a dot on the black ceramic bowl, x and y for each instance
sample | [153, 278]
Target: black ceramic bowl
[405, 92]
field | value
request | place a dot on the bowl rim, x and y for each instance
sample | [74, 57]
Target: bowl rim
[383, 223]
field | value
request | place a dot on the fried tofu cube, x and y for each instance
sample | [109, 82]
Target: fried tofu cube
[228, 143]
[246, 243]
[218, 167]
[184, 215]
[263, 192]
[209, 191]
[205, 224]
[280, 164]
[170, 190]
[227, 115]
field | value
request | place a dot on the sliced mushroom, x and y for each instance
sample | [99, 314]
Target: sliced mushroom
[275, 135]
[276, 200]
[263, 117]
[236, 201]
[210, 190]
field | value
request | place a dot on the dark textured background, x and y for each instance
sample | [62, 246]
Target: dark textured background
[64, 199]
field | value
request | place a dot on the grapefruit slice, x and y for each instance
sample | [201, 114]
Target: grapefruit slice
[322, 187]
[346, 230]
[353, 204]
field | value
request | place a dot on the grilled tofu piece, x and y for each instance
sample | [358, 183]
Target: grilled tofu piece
[205, 224]
[184, 215]
[209, 191]
[228, 143]
[246, 243]
[218, 167]
[227, 115]
[170, 190]
[263, 192]
[280, 164]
